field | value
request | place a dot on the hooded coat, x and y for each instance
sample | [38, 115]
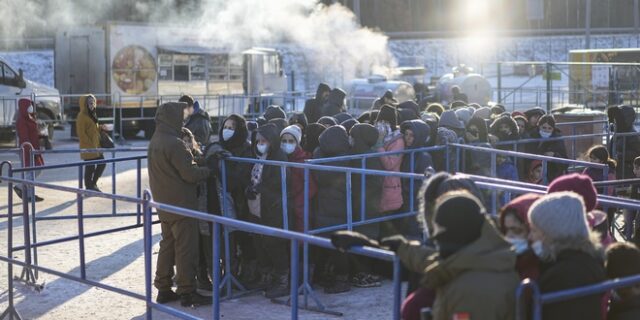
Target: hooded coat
[626, 148]
[173, 173]
[88, 130]
[558, 148]
[238, 173]
[332, 193]
[296, 191]
[478, 280]
[335, 102]
[27, 129]
[392, 186]
[274, 112]
[200, 125]
[513, 127]
[365, 137]
[270, 187]
[628, 309]
[328, 121]
[313, 107]
[314, 130]
[481, 124]
[421, 160]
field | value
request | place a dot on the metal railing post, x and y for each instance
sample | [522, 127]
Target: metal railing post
[147, 229]
[83, 271]
[113, 183]
[11, 311]
[216, 270]
[294, 279]
[138, 188]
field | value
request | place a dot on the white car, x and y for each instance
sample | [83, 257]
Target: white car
[14, 86]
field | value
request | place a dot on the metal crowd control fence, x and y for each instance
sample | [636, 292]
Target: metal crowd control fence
[148, 204]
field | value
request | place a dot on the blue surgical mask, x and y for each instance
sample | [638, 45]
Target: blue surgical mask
[545, 134]
[288, 148]
[262, 148]
[227, 134]
[519, 244]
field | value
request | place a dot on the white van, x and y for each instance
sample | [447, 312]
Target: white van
[14, 86]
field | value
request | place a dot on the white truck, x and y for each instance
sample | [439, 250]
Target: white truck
[135, 67]
[14, 86]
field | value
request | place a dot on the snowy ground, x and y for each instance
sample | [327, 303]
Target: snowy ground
[117, 259]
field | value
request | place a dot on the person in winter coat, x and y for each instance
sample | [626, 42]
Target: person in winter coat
[349, 123]
[623, 260]
[599, 154]
[88, 131]
[435, 108]
[342, 117]
[445, 136]
[506, 129]
[274, 112]
[199, 124]
[300, 119]
[173, 179]
[328, 121]
[521, 121]
[415, 134]
[554, 148]
[264, 198]
[514, 225]
[533, 115]
[449, 120]
[476, 130]
[571, 254]
[387, 98]
[332, 201]
[27, 131]
[505, 169]
[472, 270]
[290, 139]
[233, 137]
[313, 107]
[335, 102]
[390, 139]
[457, 95]
[534, 172]
[624, 148]
[314, 130]
[408, 110]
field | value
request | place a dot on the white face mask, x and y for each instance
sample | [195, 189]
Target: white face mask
[537, 248]
[262, 148]
[227, 134]
[545, 134]
[288, 148]
[30, 109]
[519, 244]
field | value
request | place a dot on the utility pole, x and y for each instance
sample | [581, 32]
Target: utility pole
[587, 25]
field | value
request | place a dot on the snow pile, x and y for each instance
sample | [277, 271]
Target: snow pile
[37, 65]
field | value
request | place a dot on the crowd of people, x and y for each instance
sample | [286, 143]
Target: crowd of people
[462, 260]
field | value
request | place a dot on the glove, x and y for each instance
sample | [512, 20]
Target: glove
[222, 154]
[393, 242]
[251, 193]
[343, 240]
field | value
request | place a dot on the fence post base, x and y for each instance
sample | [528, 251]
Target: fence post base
[11, 313]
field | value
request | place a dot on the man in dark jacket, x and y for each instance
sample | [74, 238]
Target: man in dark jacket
[627, 148]
[173, 178]
[313, 107]
[623, 260]
[335, 103]
[506, 129]
[199, 124]
[332, 199]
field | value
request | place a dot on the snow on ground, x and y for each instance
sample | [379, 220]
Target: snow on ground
[117, 259]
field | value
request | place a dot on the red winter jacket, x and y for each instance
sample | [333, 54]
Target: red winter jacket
[27, 129]
[297, 188]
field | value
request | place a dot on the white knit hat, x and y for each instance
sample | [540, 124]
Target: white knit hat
[293, 130]
[560, 215]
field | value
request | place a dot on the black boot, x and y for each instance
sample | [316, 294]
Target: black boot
[166, 297]
[280, 287]
[203, 280]
[341, 284]
[194, 299]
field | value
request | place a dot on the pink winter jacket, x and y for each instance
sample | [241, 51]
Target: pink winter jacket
[392, 186]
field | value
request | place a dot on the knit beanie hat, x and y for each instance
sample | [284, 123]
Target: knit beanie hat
[560, 215]
[388, 113]
[623, 260]
[520, 206]
[458, 221]
[342, 117]
[484, 113]
[578, 183]
[294, 131]
[446, 136]
[450, 120]
[327, 121]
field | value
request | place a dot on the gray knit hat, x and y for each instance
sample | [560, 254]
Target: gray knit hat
[560, 215]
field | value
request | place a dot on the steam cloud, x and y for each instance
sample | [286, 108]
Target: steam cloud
[327, 42]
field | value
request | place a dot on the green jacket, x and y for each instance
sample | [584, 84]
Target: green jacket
[173, 174]
[479, 280]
